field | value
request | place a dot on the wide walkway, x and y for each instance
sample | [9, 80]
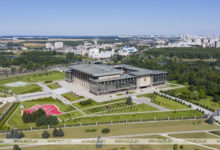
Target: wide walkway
[144, 100]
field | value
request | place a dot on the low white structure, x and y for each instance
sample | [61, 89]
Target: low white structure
[49, 46]
[127, 51]
[58, 45]
[94, 53]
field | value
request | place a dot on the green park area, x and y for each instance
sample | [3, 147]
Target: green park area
[31, 88]
[70, 115]
[71, 97]
[33, 78]
[120, 107]
[53, 86]
[136, 117]
[91, 103]
[165, 102]
[207, 102]
[4, 108]
[16, 119]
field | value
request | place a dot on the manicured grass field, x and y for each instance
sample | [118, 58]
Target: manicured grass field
[112, 147]
[41, 77]
[93, 103]
[5, 108]
[133, 108]
[208, 101]
[132, 128]
[137, 117]
[105, 108]
[194, 135]
[3, 94]
[53, 86]
[72, 97]
[120, 108]
[70, 115]
[16, 118]
[165, 102]
[26, 89]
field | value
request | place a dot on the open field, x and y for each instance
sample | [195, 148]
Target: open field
[207, 102]
[194, 135]
[40, 77]
[92, 103]
[165, 102]
[16, 118]
[112, 147]
[120, 108]
[136, 117]
[201, 135]
[5, 108]
[132, 128]
[70, 115]
[4, 94]
[72, 97]
[26, 89]
[53, 86]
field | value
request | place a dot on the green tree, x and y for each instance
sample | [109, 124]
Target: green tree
[55, 132]
[45, 134]
[175, 147]
[16, 147]
[202, 94]
[129, 101]
[60, 132]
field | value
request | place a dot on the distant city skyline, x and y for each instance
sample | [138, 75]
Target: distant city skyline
[115, 17]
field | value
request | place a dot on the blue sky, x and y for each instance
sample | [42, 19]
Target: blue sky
[109, 17]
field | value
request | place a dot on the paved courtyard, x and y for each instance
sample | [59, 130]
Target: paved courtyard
[79, 90]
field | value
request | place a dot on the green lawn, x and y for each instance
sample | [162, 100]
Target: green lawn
[120, 108]
[132, 117]
[207, 102]
[70, 115]
[5, 108]
[133, 108]
[165, 102]
[132, 128]
[41, 77]
[4, 94]
[26, 89]
[72, 97]
[93, 103]
[16, 118]
[53, 86]
[194, 135]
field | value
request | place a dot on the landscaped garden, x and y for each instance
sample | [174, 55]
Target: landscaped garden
[71, 97]
[41, 77]
[121, 107]
[207, 102]
[70, 115]
[53, 86]
[16, 118]
[91, 103]
[136, 117]
[165, 102]
[31, 88]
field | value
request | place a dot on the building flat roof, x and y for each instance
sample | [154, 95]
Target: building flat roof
[136, 71]
[97, 70]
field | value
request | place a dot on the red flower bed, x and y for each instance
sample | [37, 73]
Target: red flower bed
[48, 108]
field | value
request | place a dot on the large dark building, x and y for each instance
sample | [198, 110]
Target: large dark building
[101, 79]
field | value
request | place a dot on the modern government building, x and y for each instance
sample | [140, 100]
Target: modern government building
[103, 79]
